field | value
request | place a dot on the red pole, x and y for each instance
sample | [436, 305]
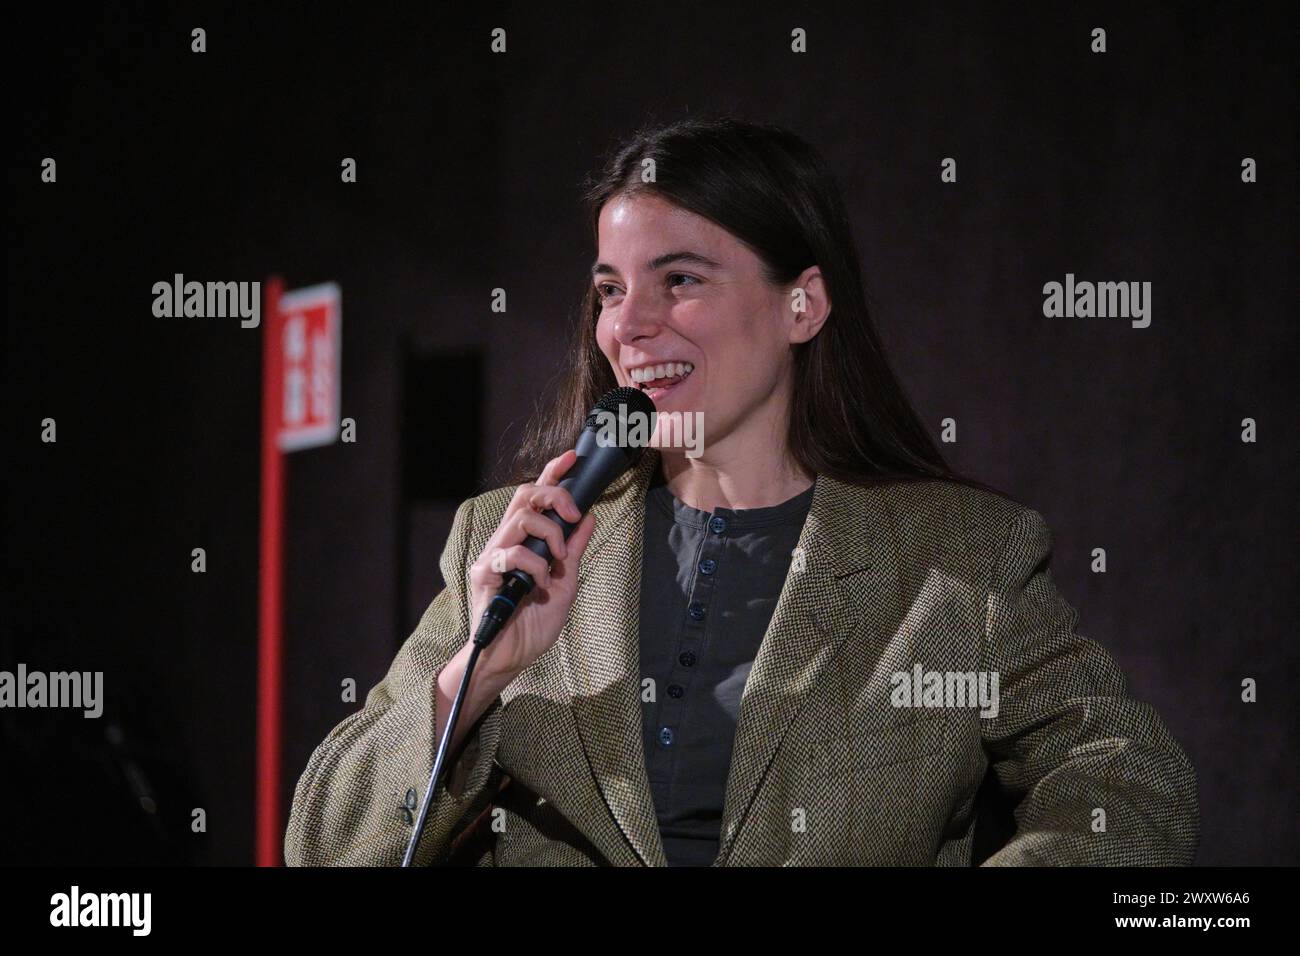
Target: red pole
[270, 831]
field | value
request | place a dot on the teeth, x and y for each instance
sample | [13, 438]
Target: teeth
[648, 373]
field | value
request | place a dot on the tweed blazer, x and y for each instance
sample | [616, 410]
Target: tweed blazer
[902, 578]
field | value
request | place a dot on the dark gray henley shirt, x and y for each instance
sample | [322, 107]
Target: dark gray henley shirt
[709, 584]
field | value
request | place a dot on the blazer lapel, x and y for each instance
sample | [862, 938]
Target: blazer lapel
[818, 608]
[602, 649]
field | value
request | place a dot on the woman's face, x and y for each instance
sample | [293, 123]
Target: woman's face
[684, 305]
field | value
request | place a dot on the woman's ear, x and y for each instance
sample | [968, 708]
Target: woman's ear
[810, 305]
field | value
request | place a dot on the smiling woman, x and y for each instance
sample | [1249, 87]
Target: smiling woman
[741, 240]
[702, 676]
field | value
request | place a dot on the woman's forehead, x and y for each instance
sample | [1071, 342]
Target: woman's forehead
[643, 223]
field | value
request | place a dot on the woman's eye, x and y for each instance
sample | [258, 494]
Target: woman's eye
[606, 290]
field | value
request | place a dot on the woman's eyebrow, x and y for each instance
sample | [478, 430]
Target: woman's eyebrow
[658, 262]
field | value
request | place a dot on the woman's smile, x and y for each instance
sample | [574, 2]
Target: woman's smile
[658, 379]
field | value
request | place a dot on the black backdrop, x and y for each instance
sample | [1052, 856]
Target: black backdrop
[1122, 166]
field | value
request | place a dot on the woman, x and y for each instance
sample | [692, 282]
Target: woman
[804, 642]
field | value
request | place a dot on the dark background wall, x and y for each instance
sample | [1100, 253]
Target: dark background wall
[225, 166]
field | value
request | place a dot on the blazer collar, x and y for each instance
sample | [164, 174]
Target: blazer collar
[820, 604]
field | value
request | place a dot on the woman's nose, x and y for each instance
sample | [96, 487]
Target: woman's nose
[637, 319]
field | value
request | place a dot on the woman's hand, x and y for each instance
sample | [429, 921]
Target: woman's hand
[537, 623]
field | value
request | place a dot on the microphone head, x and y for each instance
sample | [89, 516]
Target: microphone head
[631, 400]
[624, 406]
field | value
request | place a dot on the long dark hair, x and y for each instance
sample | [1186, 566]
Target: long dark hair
[850, 418]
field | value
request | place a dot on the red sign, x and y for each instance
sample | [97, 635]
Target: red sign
[309, 341]
[300, 409]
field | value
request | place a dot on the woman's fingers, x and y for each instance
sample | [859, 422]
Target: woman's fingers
[556, 467]
[535, 499]
[489, 571]
[543, 497]
[517, 501]
[512, 534]
[524, 518]
[577, 544]
[527, 523]
[520, 558]
[564, 573]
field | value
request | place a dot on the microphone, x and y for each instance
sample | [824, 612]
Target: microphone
[602, 457]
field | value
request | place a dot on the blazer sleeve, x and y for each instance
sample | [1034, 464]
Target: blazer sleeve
[1067, 742]
[348, 806]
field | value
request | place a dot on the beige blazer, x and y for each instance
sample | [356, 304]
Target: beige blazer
[904, 587]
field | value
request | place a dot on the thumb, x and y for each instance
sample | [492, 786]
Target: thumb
[577, 543]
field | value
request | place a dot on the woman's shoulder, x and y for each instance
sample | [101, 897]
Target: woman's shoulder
[935, 515]
[478, 515]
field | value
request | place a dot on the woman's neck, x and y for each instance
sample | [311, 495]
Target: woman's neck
[749, 467]
[754, 480]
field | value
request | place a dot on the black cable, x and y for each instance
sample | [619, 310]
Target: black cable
[443, 745]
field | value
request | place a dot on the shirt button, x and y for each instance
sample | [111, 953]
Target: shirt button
[708, 566]
[676, 690]
[718, 525]
[666, 736]
[696, 611]
[686, 658]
